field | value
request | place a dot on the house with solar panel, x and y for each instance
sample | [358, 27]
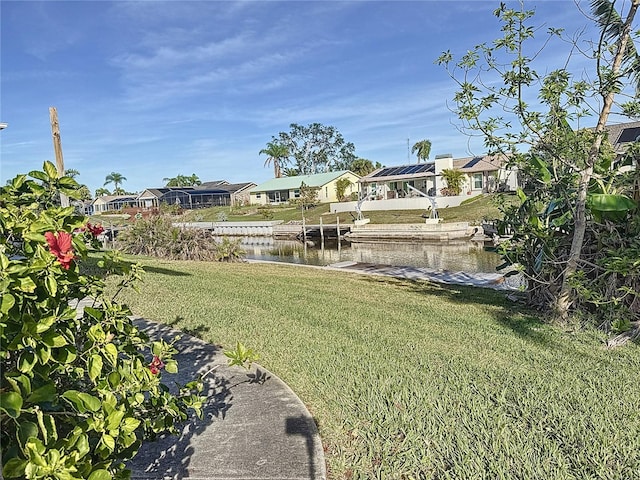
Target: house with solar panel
[621, 136]
[418, 186]
[482, 174]
[281, 190]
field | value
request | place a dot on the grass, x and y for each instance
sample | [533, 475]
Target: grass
[417, 381]
[473, 210]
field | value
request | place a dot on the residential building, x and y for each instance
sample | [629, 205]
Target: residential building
[481, 174]
[281, 190]
[113, 203]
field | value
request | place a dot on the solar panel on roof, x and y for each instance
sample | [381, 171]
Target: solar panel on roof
[629, 135]
[405, 170]
[472, 162]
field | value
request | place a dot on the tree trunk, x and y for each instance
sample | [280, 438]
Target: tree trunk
[564, 300]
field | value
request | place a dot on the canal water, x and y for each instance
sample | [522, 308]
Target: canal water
[466, 256]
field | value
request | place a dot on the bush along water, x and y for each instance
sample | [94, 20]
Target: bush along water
[79, 392]
[156, 236]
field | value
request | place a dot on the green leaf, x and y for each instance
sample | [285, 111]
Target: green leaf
[14, 468]
[26, 284]
[114, 419]
[108, 441]
[606, 202]
[95, 366]
[11, 403]
[26, 361]
[112, 352]
[43, 353]
[47, 426]
[26, 430]
[33, 237]
[92, 403]
[54, 339]
[100, 475]
[39, 175]
[51, 285]
[171, 366]
[50, 169]
[8, 301]
[73, 396]
[541, 166]
[45, 393]
[129, 424]
[82, 445]
[65, 355]
[45, 324]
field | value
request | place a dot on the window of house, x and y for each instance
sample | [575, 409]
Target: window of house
[326, 192]
[296, 194]
[477, 181]
[258, 195]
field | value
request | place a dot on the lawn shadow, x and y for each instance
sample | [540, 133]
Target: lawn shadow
[508, 313]
[170, 455]
[198, 331]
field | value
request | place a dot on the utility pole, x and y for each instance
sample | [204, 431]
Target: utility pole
[57, 148]
[408, 156]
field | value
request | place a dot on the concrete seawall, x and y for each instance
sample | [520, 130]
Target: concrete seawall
[418, 231]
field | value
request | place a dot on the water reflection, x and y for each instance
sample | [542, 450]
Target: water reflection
[464, 256]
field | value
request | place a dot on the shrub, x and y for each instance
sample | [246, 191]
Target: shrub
[79, 393]
[229, 251]
[266, 211]
[157, 237]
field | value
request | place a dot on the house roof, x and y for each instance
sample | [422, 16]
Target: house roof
[111, 198]
[412, 171]
[212, 184]
[486, 163]
[236, 187]
[292, 183]
[622, 133]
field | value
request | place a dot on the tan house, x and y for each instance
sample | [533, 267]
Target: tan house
[281, 190]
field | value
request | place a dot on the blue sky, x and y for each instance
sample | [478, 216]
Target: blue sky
[153, 89]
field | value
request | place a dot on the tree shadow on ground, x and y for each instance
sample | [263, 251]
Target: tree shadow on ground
[169, 456]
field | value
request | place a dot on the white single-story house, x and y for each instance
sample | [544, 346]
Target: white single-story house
[406, 187]
[482, 174]
[282, 190]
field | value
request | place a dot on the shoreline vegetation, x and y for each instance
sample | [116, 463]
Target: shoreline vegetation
[408, 379]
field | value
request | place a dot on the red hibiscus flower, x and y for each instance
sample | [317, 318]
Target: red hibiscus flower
[95, 229]
[60, 245]
[156, 365]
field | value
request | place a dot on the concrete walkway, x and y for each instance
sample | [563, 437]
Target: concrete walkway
[496, 281]
[254, 426]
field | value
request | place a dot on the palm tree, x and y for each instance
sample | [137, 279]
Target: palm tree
[278, 154]
[182, 181]
[422, 149]
[71, 172]
[115, 178]
[102, 191]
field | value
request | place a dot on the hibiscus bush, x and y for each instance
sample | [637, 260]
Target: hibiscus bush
[79, 392]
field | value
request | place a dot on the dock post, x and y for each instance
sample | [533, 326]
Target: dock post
[321, 234]
[338, 230]
[304, 228]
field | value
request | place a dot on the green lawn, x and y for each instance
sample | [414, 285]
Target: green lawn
[474, 211]
[417, 381]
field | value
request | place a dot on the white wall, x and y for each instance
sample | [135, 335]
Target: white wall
[414, 203]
